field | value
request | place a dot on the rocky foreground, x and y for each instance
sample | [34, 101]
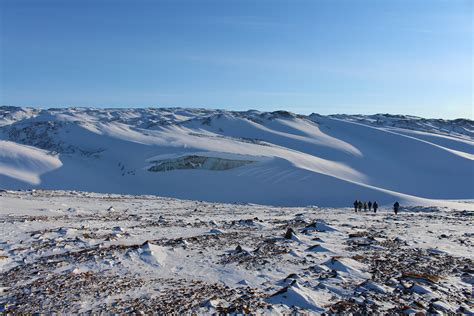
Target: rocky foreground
[75, 252]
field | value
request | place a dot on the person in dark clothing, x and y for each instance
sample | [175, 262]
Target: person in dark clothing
[376, 206]
[356, 205]
[370, 206]
[365, 206]
[360, 206]
[396, 206]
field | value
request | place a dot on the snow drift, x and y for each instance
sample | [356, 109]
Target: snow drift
[24, 163]
[275, 158]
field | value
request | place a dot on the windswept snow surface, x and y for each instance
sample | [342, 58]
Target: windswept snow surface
[276, 158]
[71, 252]
[25, 163]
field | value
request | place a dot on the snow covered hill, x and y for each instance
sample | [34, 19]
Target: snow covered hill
[277, 158]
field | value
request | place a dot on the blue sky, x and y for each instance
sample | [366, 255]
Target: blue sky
[380, 56]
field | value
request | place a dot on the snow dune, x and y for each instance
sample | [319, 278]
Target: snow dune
[274, 158]
[24, 163]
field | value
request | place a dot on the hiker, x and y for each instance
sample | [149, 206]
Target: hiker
[370, 206]
[396, 206]
[356, 204]
[360, 206]
[376, 206]
[365, 206]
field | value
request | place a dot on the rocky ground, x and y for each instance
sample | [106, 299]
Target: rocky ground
[75, 252]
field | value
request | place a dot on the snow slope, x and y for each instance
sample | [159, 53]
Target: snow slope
[276, 158]
[25, 163]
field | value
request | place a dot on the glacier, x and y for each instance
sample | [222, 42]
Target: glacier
[276, 158]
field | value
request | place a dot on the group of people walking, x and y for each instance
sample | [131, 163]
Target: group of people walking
[358, 205]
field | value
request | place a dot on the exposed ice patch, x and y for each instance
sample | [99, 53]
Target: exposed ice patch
[197, 161]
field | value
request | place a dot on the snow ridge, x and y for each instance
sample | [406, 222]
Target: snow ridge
[277, 158]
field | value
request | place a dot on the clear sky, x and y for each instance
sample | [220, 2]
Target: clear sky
[380, 56]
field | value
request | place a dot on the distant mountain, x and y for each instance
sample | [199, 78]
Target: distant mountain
[276, 158]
